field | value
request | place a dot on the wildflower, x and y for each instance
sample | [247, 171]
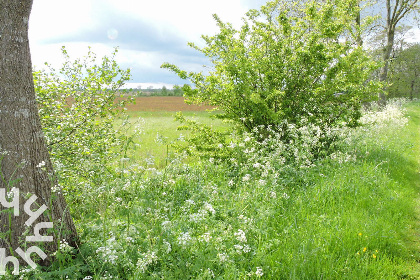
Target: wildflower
[12, 192]
[246, 177]
[129, 239]
[108, 254]
[184, 238]
[190, 202]
[374, 256]
[232, 145]
[273, 194]
[238, 248]
[211, 273]
[360, 234]
[240, 236]
[148, 258]
[206, 237]
[168, 246]
[56, 189]
[259, 272]
[364, 249]
[209, 208]
[247, 249]
[197, 217]
[64, 246]
[150, 161]
[223, 257]
[166, 224]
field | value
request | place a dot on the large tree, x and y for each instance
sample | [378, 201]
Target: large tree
[24, 159]
[405, 73]
[396, 10]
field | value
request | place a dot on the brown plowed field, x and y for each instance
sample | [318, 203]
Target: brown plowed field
[164, 103]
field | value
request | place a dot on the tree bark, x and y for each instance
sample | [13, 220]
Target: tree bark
[359, 38]
[383, 75]
[24, 159]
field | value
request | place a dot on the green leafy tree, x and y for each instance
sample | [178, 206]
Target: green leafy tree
[165, 91]
[289, 62]
[78, 105]
[178, 91]
[405, 73]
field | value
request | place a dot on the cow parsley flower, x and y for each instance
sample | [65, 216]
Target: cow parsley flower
[259, 272]
[240, 236]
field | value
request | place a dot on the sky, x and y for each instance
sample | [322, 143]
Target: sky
[147, 32]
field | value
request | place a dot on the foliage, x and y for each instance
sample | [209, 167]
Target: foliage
[345, 217]
[288, 62]
[304, 145]
[405, 73]
[78, 104]
[176, 91]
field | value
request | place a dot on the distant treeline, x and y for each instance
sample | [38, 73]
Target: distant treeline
[137, 92]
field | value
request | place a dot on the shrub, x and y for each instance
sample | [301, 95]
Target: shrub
[78, 106]
[289, 63]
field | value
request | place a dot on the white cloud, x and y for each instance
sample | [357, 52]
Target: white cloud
[413, 36]
[189, 18]
[52, 18]
[149, 32]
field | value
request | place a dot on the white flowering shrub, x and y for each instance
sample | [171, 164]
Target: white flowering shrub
[263, 149]
[78, 105]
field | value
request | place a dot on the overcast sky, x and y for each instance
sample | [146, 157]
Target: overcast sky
[147, 32]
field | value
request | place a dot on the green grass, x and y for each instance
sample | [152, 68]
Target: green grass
[355, 217]
[159, 131]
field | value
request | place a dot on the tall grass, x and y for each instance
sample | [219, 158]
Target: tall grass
[351, 215]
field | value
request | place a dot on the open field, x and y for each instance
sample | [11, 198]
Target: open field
[155, 117]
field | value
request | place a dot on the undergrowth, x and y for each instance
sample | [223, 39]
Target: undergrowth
[265, 210]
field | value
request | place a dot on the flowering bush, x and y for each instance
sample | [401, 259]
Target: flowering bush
[78, 107]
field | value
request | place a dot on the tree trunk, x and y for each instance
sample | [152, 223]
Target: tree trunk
[383, 75]
[359, 39]
[24, 159]
[412, 90]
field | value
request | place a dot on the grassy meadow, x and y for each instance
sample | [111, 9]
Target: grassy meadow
[353, 214]
[159, 130]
